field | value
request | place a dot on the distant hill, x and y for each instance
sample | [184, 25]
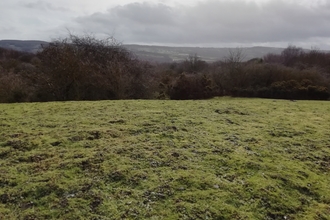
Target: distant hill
[209, 54]
[158, 53]
[31, 46]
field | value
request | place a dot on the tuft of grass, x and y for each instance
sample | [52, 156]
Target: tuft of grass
[223, 158]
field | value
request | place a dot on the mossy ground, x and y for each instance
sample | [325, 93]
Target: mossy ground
[222, 158]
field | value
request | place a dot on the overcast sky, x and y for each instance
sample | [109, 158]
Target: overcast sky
[216, 23]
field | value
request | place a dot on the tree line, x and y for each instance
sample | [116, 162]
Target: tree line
[86, 68]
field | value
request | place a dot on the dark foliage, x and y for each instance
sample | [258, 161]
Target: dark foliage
[192, 86]
[85, 68]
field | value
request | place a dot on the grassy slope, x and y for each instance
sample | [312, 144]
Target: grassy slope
[215, 159]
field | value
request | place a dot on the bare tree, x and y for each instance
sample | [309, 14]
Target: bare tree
[235, 56]
[234, 71]
[193, 64]
[87, 68]
[291, 54]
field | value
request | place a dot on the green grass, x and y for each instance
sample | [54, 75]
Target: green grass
[215, 159]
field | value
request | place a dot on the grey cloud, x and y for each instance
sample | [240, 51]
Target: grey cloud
[134, 17]
[41, 5]
[212, 22]
[145, 13]
[8, 31]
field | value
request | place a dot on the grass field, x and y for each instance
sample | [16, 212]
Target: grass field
[222, 158]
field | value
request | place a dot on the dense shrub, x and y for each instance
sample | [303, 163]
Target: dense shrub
[85, 68]
[286, 90]
[13, 88]
[192, 86]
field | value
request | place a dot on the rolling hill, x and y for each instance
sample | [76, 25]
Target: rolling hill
[159, 53]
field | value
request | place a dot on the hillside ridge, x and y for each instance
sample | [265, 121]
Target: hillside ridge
[160, 54]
